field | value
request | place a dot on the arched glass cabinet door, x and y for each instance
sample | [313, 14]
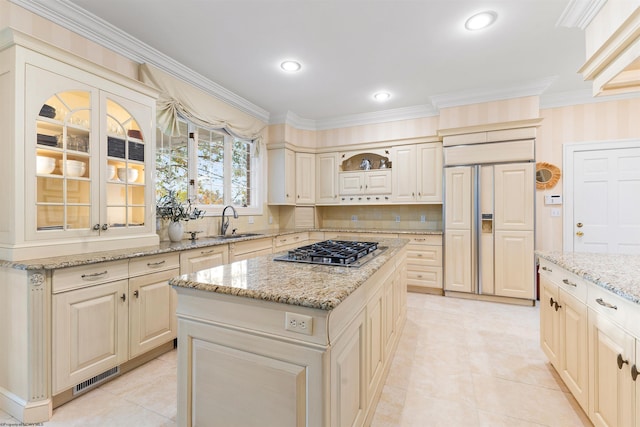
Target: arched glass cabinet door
[125, 166]
[63, 168]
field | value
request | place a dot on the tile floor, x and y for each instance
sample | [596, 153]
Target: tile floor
[459, 363]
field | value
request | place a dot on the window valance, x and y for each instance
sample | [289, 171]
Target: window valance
[178, 98]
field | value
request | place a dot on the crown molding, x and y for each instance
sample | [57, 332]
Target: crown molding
[578, 97]
[292, 119]
[79, 21]
[579, 13]
[456, 99]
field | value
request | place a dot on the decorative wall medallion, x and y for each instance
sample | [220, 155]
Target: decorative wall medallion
[547, 175]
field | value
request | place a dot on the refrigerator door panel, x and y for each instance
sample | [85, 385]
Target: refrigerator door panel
[514, 275]
[514, 196]
[458, 198]
[458, 268]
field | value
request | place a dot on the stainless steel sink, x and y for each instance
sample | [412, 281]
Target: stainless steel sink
[235, 236]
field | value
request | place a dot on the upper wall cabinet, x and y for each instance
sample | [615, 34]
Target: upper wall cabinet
[327, 178]
[79, 169]
[291, 177]
[365, 177]
[417, 175]
[613, 48]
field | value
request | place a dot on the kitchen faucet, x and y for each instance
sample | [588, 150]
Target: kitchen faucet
[224, 225]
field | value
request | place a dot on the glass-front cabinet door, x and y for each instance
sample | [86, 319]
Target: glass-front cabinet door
[85, 160]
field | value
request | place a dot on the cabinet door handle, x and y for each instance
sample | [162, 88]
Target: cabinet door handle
[547, 269]
[634, 372]
[606, 304]
[621, 361]
[207, 252]
[557, 306]
[123, 297]
[156, 264]
[551, 301]
[96, 227]
[419, 240]
[136, 294]
[93, 276]
[105, 227]
[567, 282]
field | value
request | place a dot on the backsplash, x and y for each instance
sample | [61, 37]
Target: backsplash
[381, 217]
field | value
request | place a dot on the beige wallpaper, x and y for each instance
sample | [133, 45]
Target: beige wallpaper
[401, 129]
[490, 112]
[29, 23]
[598, 122]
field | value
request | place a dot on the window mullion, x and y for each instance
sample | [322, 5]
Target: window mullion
[227, 169]
[192, 149]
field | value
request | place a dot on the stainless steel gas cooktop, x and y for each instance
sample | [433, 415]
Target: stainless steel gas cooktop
[343, 253]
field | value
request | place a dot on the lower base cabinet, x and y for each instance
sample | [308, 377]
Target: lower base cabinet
[99, 326]
[89, 332]
[424, 264]
[612, 397]
[592, 338]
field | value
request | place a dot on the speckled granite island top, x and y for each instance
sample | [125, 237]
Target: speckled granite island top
[617, 273]
[308, 285]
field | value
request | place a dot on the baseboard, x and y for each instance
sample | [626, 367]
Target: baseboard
[491, 298]
[23, 411]
[424, 290]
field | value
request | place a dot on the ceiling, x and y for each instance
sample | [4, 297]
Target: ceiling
[416, 50]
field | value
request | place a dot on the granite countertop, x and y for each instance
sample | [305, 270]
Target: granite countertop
[63, 261]
[307, 285]
[618, 273]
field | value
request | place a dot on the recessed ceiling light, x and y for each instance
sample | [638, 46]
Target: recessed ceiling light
[291, 66]
[381, 96]
[481, 20]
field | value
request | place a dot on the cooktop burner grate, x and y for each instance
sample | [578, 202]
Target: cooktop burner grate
[331, 252]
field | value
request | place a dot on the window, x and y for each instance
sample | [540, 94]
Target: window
[212, 168]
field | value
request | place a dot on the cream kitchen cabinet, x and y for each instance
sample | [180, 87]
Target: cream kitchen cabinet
[103, 318]
[305, 178]
[239, 251]
[282, 176]
[198, 259]
[372, 186]
[152, 302]
[563, 328]
[84, 138]
[291, 177]
[89, 333]
[612, 397]
[417, 173]
[424, 264]
[327, 178]
[290, 241]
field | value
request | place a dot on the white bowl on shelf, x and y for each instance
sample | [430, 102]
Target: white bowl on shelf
[74, 168]
[127, 174]
[111, 172]
[45, 165]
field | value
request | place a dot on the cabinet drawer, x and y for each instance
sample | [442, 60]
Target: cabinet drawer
[619, 310]
[247, 246]
[425, 255]
[202, 258]
[150, 264]
[430, 277]
[82, 276]
[247, 255]
[290, 239]
[565, 280]
[427, 239]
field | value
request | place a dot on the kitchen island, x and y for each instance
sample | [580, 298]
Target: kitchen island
[268, 343]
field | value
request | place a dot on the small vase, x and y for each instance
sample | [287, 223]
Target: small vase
[175, 231]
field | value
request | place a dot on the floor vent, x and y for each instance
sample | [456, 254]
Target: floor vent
[95, 381]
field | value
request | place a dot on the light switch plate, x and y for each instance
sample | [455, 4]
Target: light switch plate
[555, 212]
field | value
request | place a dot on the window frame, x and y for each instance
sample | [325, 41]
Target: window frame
[192, 173]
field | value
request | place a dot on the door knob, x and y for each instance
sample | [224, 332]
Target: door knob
[579, 233]
[579, 225]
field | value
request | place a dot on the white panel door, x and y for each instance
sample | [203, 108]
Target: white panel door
[606, 194]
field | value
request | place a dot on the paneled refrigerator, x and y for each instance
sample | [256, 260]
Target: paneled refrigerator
[489, 229]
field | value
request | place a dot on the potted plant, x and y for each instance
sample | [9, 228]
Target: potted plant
[169, 207]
